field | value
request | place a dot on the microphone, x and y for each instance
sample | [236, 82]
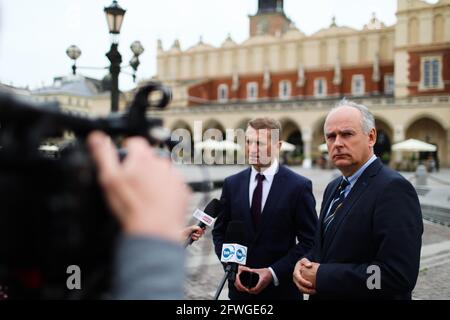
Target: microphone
[206, 217]
[234, 252]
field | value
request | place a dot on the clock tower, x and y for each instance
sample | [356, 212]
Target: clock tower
[269, 19]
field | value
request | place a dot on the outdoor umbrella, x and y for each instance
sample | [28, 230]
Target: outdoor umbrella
[413, 145]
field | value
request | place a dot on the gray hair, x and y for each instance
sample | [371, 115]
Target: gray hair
[368, 120]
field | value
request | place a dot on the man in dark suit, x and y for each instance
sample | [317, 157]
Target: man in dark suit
[368, 241]
[277, 207]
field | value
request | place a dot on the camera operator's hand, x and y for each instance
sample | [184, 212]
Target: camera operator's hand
[146, 193]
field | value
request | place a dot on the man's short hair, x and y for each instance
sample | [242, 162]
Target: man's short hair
[265, 123]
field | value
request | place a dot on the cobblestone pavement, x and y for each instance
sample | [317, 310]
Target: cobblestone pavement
[434, 275]
[204, 271]
[433, 283]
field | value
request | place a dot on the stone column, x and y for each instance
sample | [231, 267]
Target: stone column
[198, 137]
[399, 136]
[307, 138]
[446, 162]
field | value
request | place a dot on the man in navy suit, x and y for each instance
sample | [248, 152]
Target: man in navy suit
[368, 240]
[277, 207]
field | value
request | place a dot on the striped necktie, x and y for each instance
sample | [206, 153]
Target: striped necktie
[335, 205]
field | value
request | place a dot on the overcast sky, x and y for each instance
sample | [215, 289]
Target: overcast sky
[34, 35]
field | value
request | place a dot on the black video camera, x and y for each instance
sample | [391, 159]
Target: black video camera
[52, 212]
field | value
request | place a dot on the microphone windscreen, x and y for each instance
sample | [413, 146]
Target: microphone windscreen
[236, 233]
[213, 208]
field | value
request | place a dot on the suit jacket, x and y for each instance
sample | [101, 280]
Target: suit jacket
[379, 224]
[289, 214]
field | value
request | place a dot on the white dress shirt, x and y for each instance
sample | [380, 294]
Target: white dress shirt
[268, 174]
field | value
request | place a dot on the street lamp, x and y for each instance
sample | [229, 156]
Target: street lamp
[137, 49]
[74, 53]
[114, 17]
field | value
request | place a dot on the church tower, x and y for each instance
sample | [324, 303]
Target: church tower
[270, 19]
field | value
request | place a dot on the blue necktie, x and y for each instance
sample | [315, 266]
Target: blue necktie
[335, 205]
[257, 200]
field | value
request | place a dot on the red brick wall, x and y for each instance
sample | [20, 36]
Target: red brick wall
[370, 86]
[415, 69]
[202, 91]
[208, 90]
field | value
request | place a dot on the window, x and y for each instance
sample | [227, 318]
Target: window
[358, 85]
[431, 73]
[389, 84]
[284, 89]
[426, 73]
[320, 87]
[279, 6]
[222, 94]
[435, 73]
[252, 91]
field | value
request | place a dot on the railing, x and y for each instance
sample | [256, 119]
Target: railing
[311, 103]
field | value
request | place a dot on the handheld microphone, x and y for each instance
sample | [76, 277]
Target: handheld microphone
[234, 252]
[206, 217]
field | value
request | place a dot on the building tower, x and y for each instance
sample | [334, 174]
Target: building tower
[269, 19]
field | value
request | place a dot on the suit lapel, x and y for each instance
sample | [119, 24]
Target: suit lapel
[359, 188]
[275, 193]
[244, 198]
[323, 210]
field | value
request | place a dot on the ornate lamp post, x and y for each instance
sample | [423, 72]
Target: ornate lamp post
[74, 53]
[114, 16]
